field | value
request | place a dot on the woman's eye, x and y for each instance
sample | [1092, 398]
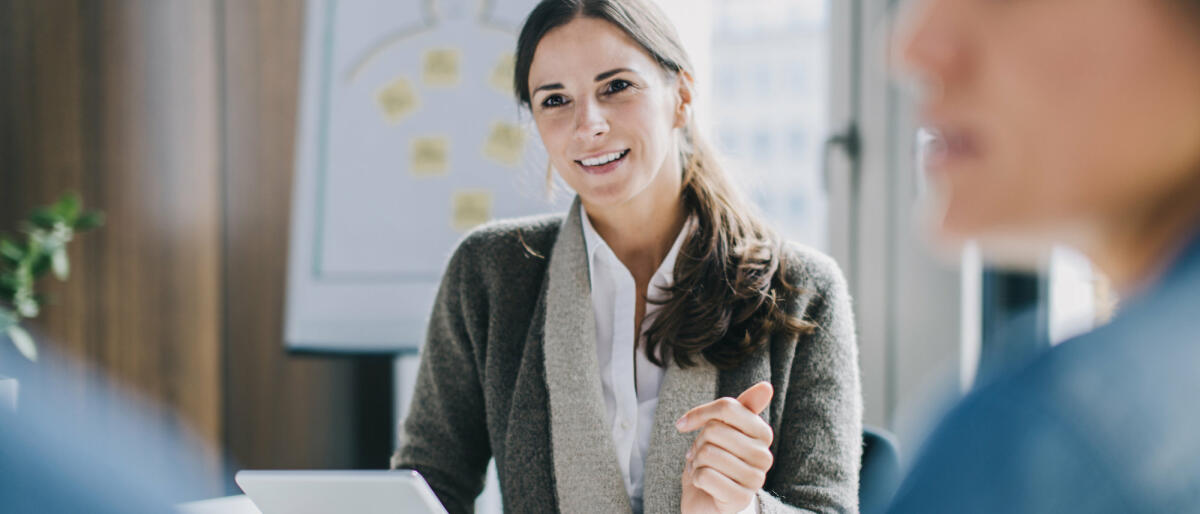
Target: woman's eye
[554, 101]
[617, 86]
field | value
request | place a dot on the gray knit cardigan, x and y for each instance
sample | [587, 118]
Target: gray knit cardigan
[509, 371]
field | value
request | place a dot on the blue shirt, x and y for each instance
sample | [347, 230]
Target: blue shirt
[79, 445]
[1106, 422]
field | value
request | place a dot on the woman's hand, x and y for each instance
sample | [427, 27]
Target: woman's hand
[729, 459]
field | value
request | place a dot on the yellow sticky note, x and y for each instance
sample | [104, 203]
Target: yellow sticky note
[505, 143]
[430, 156]
[502, 74]
[440, 67]
[471, 208]
[397, 100]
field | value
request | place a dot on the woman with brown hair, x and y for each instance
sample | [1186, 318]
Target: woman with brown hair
[657, 349]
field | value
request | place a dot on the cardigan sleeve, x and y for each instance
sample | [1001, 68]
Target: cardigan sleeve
[445, 436]
[818, 444]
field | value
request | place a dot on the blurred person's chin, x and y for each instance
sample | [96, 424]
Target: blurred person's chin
[1007, 239]
[969, 198]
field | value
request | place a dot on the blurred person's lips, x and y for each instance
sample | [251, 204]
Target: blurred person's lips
[951, 147]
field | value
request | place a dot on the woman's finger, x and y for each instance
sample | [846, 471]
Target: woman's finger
[730, 465]
[754, 452]
[727, 493]
[728, 411]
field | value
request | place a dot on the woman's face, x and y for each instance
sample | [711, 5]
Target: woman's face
[607, 114]
[1055, 113]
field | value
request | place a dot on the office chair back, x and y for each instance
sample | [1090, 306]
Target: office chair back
[880, 475]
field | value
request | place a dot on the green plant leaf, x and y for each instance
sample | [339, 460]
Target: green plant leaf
[27, 306]
[23, 342]
[60, 264]
[11, 250]
[89, 221]
[41, 265]
[44, 218]
[67, 207]
[8, 280]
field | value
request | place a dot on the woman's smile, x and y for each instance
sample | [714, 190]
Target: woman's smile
[602, 163]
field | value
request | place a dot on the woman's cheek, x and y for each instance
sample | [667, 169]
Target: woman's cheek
[555, 135]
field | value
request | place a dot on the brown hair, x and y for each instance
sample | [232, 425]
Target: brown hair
[730, 294]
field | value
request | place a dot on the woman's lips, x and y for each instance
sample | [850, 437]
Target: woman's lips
[606, 167]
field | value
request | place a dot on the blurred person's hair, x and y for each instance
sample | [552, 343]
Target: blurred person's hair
[730, 293]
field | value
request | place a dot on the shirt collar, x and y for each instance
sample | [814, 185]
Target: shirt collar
[590, 236]
[1188, 258]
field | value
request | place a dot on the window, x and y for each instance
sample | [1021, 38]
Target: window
[764, 58]
[762, 147]
[798, 144]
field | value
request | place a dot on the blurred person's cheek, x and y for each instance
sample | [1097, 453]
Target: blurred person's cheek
[1058, 114]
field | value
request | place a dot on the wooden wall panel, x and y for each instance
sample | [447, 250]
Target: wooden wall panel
[119, 102]
[281, 410]
[178, 119]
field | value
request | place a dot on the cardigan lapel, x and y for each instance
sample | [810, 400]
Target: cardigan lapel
[587, 475]
[754, 369]
[681, 390]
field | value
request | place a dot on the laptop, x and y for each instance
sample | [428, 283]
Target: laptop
[327, 492]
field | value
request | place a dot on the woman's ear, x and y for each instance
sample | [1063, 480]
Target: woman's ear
[683, 105]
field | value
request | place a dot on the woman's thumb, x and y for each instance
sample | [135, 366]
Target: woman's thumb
[757, 397]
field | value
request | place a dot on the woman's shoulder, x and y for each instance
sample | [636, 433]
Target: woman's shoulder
[811, 269]
[821, 295]
[501, 241]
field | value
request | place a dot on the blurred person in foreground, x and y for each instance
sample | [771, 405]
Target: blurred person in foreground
[1076, 122]
[79, 443]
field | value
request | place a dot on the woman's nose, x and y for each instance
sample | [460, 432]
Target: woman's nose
[590, 121]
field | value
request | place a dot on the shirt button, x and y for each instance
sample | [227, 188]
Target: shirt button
[624, 425]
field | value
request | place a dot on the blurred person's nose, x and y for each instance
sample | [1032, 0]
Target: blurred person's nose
[929, 45]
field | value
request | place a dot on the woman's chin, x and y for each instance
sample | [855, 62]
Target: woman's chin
[604, 195]
[595, 202]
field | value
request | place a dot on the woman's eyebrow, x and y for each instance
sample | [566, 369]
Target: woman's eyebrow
[600, 77]
[610, 73]
[547, 87]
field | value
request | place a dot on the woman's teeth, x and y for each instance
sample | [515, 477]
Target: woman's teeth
[603, 159]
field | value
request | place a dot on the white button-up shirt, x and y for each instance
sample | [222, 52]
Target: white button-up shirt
[629, 404]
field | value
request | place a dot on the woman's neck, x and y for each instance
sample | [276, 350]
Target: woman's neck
[641, 231]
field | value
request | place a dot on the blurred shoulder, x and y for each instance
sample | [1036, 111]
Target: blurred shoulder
[983, 453]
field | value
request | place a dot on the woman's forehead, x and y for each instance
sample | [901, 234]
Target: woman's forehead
[585, 47]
